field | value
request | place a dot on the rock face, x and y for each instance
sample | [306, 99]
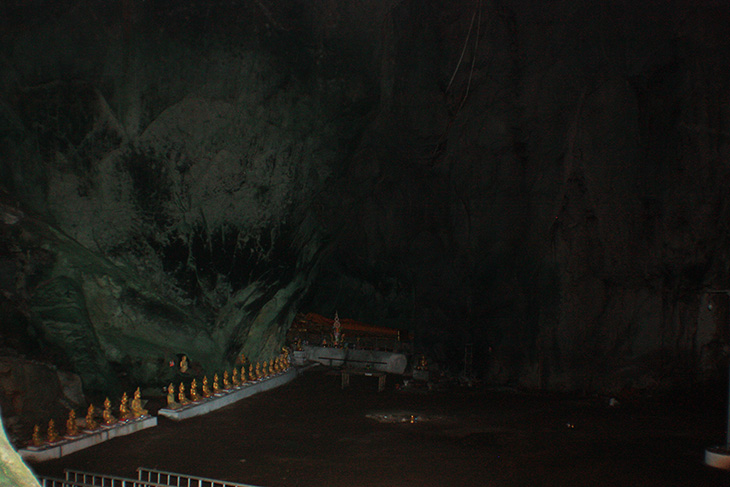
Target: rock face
[543, 180]
[32, 392]
[13, 471]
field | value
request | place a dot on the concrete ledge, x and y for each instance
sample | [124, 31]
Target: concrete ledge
[71, 445]
[383, 361]
[718, 457]
[228, 397]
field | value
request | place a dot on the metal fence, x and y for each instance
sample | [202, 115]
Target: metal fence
[172, 479]
[147, 477]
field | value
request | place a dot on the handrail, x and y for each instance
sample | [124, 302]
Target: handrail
[55, 482]
[102, 480]
[183, 480]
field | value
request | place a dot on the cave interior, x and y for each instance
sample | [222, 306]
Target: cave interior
[543, 183]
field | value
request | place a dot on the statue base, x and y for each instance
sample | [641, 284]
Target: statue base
[70, 445]
[224, 398]
[718, 457]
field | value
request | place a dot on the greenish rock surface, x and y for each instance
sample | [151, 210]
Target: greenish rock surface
[543, 180]
[13, 471]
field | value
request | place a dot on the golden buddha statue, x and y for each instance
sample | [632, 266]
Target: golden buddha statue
[124, 414]
[272, 370]
[216, 387]
[206, 390]
[234, 378]
[108, 418]
[171, 402]
[35, 440]
[91, 423]
[52, 433]
[137, 410]
[72, 429]
[194, 391]
[184, 364]
[251, 374]
[181, 395]
[226, 382]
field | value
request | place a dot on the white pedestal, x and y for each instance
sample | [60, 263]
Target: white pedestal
[299, 358]
[68, 446]
[228, 397]
[718, 457]
[382, 361]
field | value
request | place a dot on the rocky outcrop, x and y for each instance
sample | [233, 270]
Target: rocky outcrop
[13, 471]
[32, 392]
[543, 180]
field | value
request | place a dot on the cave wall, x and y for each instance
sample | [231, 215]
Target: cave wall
[541, 179]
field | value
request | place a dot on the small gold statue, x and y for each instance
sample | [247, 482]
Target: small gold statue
[52, 433]
[216, 387]
[194, 391]
[36, 438]
[258, 371]
[184, 364]
[137, 410]
[124, 414]
[171, 402]
[206, 390]
[226, 382]
[234, 378]
[181, 395]
[107, 418]
[72, 429]
[251, 374]
[287, 362]
[91, 423]
[272, 371]
[243, 374]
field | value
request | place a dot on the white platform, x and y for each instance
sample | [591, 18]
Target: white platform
[380, 360]
[718, 457]
[228, 397]
[68, 446]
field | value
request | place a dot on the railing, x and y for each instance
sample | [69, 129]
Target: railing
[50, 481]
[54, 482]
[76, 478]
[172, 479]
[147, 477]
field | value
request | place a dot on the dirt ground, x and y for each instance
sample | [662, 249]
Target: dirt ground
[311, 433]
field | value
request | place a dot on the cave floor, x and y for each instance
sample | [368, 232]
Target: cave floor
[310, 432]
